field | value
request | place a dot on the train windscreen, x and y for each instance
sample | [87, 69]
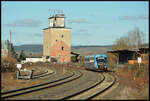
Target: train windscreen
[100, 60]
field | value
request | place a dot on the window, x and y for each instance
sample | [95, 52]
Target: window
[47, 57]
[62, 36]
[56, 40]
[62, 48]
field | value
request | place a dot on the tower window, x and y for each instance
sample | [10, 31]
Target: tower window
[62, 48]
[62, 36]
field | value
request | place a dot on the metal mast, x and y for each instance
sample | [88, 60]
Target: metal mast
[10, 43]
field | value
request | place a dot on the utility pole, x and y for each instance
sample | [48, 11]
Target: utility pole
[10, 36]
[10, 43]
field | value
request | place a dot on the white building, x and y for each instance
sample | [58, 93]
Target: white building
[34, 60]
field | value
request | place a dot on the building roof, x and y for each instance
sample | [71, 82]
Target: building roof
[58, 16]
[130, 50]
[57, 27]
[75, 53]
[116, 51]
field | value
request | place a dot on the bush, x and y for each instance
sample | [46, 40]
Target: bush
[8, 64]
[112, 59]
[73, 59]
[136, 70]
[81, 63]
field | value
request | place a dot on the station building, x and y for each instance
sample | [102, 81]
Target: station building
[130, 56]
[57, 40]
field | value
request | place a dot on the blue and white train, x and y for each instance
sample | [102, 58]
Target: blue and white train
[96, 62]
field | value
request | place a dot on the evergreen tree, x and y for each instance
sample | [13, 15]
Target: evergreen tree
[22, 55]
[11, 50]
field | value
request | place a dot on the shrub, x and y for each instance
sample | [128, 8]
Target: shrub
[81, 63]
[138, 71]
[22, 56]
[73, 58]
[8, 64]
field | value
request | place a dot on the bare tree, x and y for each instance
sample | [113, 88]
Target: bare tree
[134, 39]
[120, 44]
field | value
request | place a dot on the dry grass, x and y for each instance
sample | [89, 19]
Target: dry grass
[8, 64]
[137, 79]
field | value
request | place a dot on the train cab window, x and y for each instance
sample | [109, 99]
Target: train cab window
[100, 60]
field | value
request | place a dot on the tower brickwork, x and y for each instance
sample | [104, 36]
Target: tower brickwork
[57, 39]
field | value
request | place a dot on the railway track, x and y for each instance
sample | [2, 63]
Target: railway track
[43, 74]
[26, 90]
[90, 93]
[106, 81]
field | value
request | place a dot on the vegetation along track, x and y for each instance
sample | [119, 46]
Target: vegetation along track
[108, 81]
[19, 92]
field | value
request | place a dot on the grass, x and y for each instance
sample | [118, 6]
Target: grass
[136, 78]
[8, 64]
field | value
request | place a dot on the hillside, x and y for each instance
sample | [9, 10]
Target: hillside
[89, 50]
[83, 50]
[29, 48]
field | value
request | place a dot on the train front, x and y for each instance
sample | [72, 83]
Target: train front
[101, 62]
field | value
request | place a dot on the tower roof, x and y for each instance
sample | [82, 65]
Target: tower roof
[58, 16]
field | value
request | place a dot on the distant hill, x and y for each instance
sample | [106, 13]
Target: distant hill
[28, 48]
[90, 50]
[83, 50]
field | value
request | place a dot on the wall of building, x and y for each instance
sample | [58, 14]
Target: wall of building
[64, 54]
[60, 43]
[46, 42]
[56, 34]
[60, 22]
[57, 22]
[34, 60]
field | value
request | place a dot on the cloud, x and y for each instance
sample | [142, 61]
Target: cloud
[80, 20]
[25, 23]
[38, 35]
[141, 17]
[85, 34]
[18, 43]
[82, 30]
[92, 15]
[82, 34]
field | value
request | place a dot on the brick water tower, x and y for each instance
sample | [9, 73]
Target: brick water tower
[57, 39]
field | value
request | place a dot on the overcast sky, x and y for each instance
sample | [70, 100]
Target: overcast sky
[92, 23]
